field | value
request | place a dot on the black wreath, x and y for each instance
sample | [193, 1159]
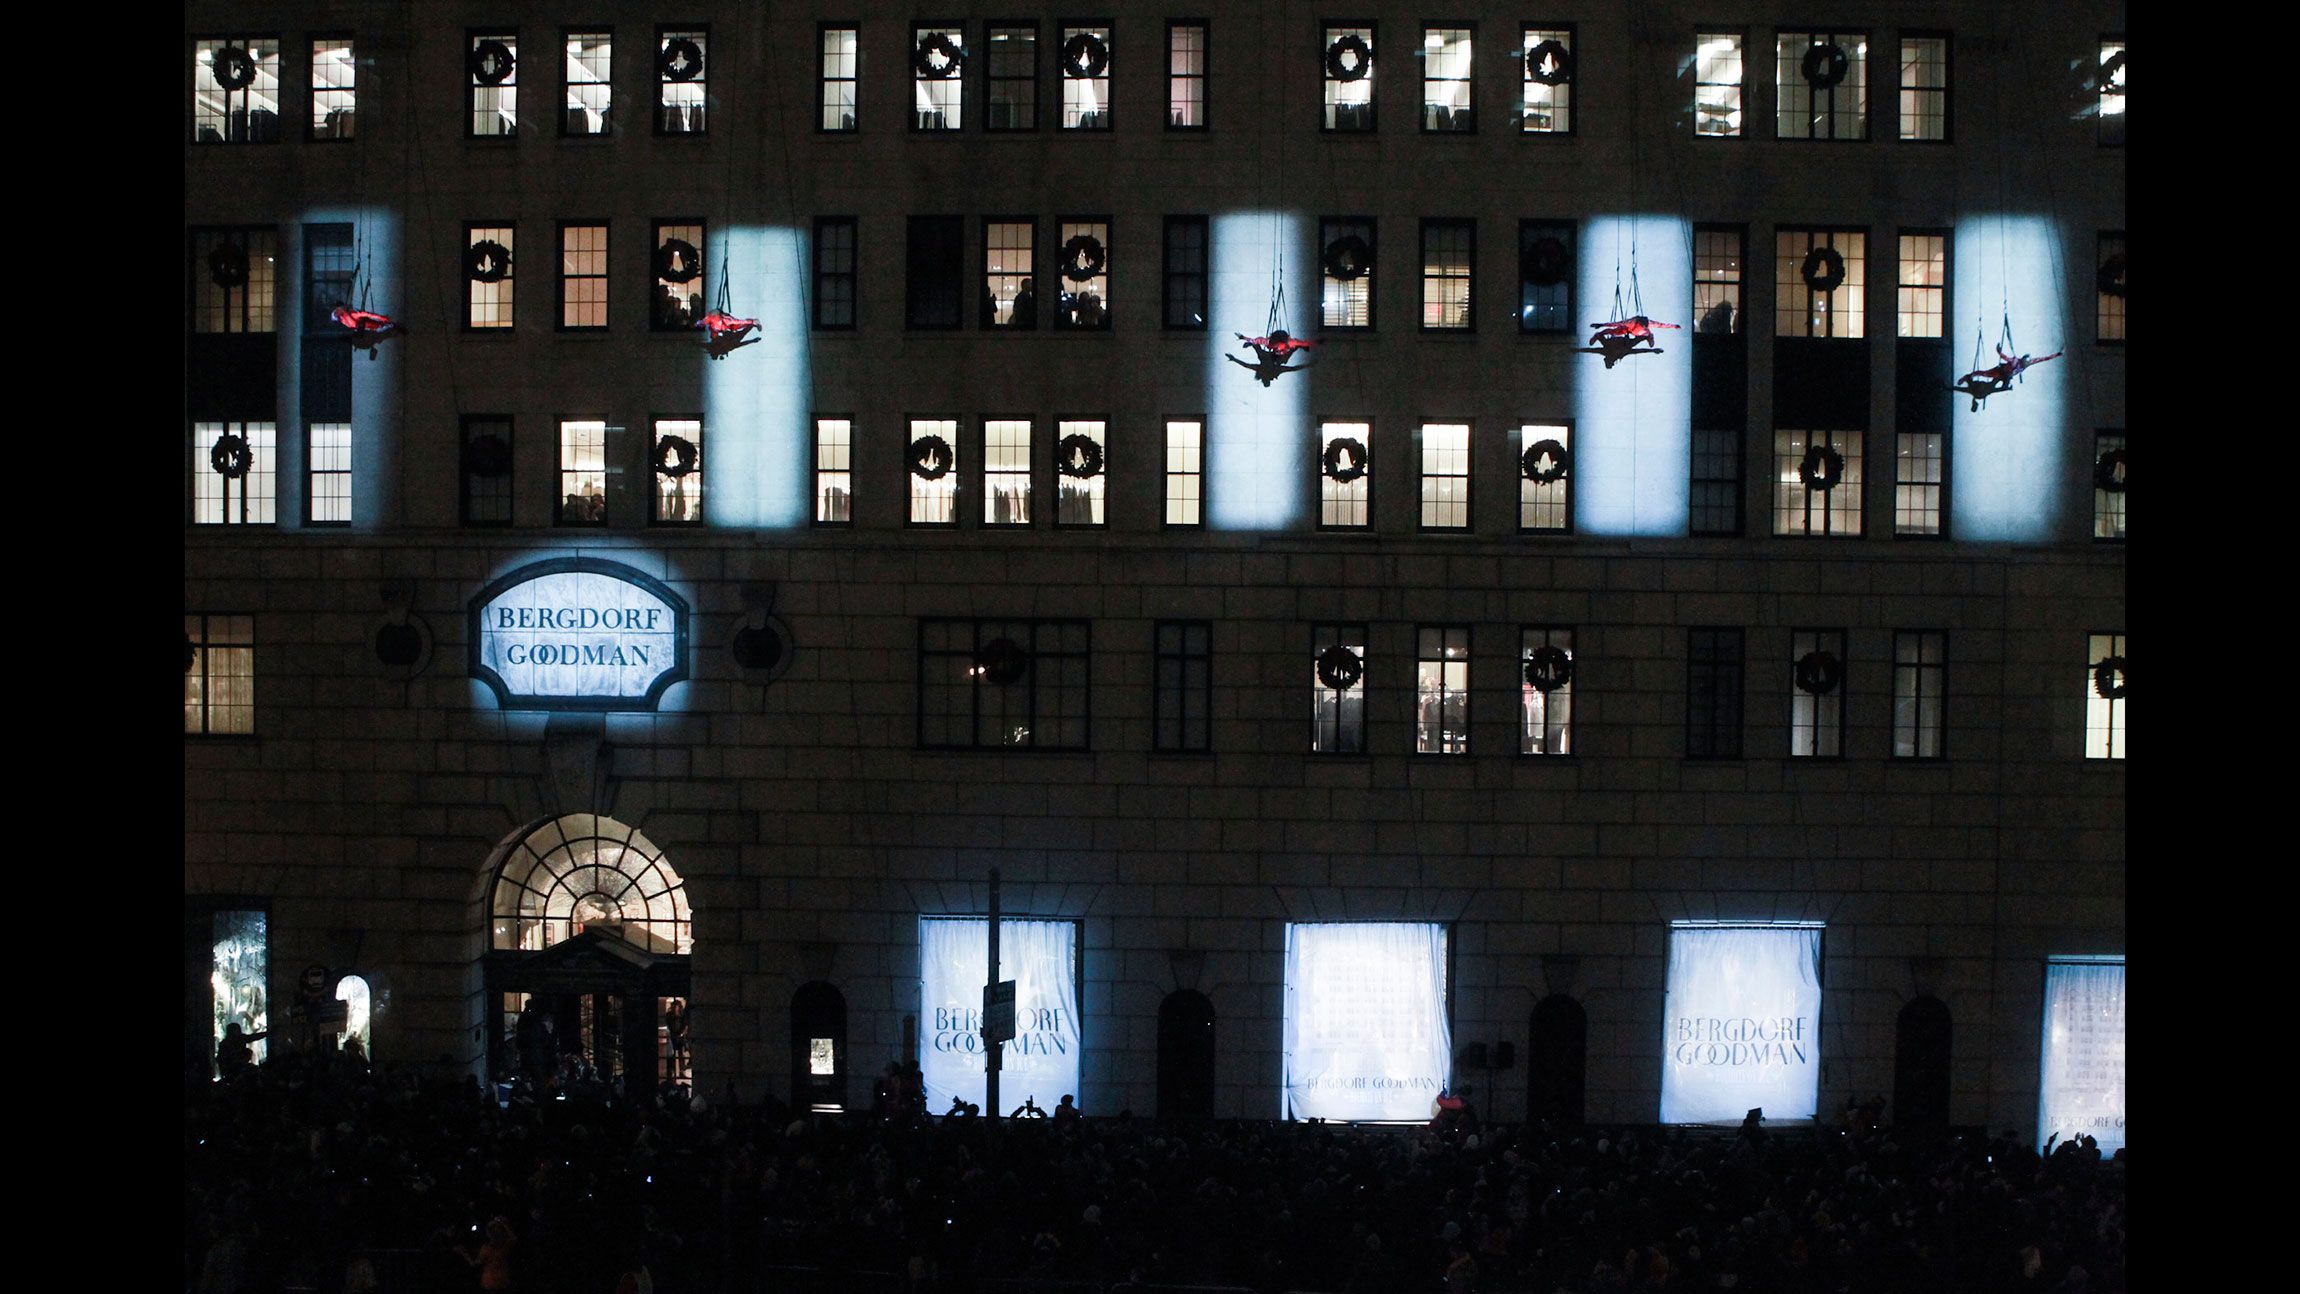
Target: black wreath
[1543, 262]
[2111, 68]
[1341, 71]
[1531, 462]
[234, 69]
[1819, 672]
[230, 456]
[1348, 257]
[1822, 269]
[1542, 53]
[1821, 468]
[491, 62]
[1340, 668]
[938, 44]
[1085, 54]
[1083, 257]
[1331, 459]
[488, 456]
[1085, 450]
[676, 456]
[682, 254]
[2108, 472]
[1548, 668]
[1825, 64]
[930, 458]
[228, 265]
[1001, 661]
[680, 59]
[2111, 277]
[487, 261]
[2108, 678]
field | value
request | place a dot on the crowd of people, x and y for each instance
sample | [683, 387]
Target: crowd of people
[321, 1172]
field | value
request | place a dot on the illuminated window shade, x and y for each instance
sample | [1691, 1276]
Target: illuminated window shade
[583, 473]
[1717, 84]
[682, 80]
[1801, 309]
[1449, 96]
[1810, 111]
[235, 279]
[676, 304]
[2081, 1071]
[2111, 78]
[492, 107]
[939, 97]
[1547, 109]
[834, 472]
[1084, 303]
[933, 499]
[2108, 486]
[2104, 697]
[1086, 99]
[580, 872]
[220, 681]
[1920, 483]
[678, 498]
[1925, 88]
[1741, 1022]
[487, 304]
[1349, 98]
[1006, 472]
[1441, 690]
[1924, 265]
[582, 277]
[246, 113]
[1920, 693]
[1345, 504]
[1010, 285]
[327, 464]
[1011, 79]
[1182, 702]
[1366, 1034]
[589, 83]
[221, 498]
[1185, 472]
[1449, 253]
[334, 88]
[1337, 714]
[1800, 508]
[840, 59]
[487, 473]
[1545, 505]
[1817, 718]
[1545, 717]
[1186, 75]
[1081, 474]
[1445, 476]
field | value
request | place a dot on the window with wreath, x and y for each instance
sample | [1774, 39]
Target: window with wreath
[2104, 697]
[219, 674]
[682, 80]
[2111, 80]
[582, 277]
[1817, 483]
[1920, 693]
[1713, 693]
[1821, 79]
[837, 72]
[1182, 694]
[1082, 268]
[835, 272]
[334, 88]
[1003, 684]
[932, 465]
[2108, 486]
[1010, 62]
[1346, 272]
[1441, 690]
[583, 872]
[1081, 470]
[1445, 476]
[1717, 83]
[1006, 471]
[1338, 689]
[1924, 87]
[1820, 282]
[2108, 280]
[582, 472]
[938, 76]
[236, 90]
[1349, 76]
[834, 471]
[1449, 259]
[486, 464]
[235, 469]
[676, 303]
[675, 460]
[1084, 58]
[1545, 477]
[1186, 74]
[589, 83]
[491, 84]
[1185, 472]
[1545, 263]
[1010, 286]
[1449, 84]
[1345, 475]
[1546, 53]
[487, 250]
[235, 275]
[1816, 693]
[1545, 664]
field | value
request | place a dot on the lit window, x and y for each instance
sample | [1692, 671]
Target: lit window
[334, 88]
[1085, 62]
[1820, 279]
[583, 473]
[2108, 316]
[583, 871]
[1545, 477]
[1346, 272]
[1009, 292]
[486, 470]
[1349, 58]
[1006, 471]
[682, 80]
[933, 282]
[487, 268]
[938, 77]
[839, 69]
[234, 276]
[236, 90]
[2104, 697]
[1717, 255]
[239, 976]
[234, 466]
[219, 674]
[358, 1010]
[676, 458]
[1338, 689]
[582, 277]
[1717, 80]
[1548, 76]
[1003, 684]
[1185, 472]
[1441, 690]
[1445, 476]
[1712, 693]
[1545, 276]
[1823, 81]
[1345, 475]
[1817, 693]
[1012, 78]
[491, 73]
[1546, 665]
[834, 472]
[590, 83]
[1182, 702]
[2111, 77]
[678, 274]
[1184, 306]
[1920, 483]
[1083, 267]
[1925, 88]
[327, 464]
[1924, 264]
[1080, 468]
[1716, 498]
[835, 272]
[1186, 75]
[1449, 250]
[1920, 683]
[1449, 97]
[2108, 486]
[932, 462]
[1817, 483]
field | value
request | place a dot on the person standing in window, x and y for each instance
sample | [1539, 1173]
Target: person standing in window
[1025, 306]
[235, 1051]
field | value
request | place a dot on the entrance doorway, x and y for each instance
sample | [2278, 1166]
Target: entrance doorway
[1186, 1057]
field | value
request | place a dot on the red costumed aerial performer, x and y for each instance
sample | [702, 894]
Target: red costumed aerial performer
[1622, 337]
[1982, 383]
[366, 327]
[1272, 354]
[726, 332]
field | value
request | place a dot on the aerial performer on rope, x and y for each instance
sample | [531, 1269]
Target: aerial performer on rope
[1630, 331]
[366, 328]
[1982, 383]
[725, 330]
[1273, 354]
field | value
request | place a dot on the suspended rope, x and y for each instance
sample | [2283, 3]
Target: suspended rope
[1629, 331]
[1275, 348]
[1984, 381]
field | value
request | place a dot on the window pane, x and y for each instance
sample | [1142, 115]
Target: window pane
[492, 71]
[1441, 691]
[1083, 270]
[1445, 476]
[1346, 272]
[1085, 62]
[1186, 75]
[1919, 677]
[678, 470]
[1924, 284]
[1924, 88]
[933, 468]
[2104, 697]
[682, 79]
[1545, 55]
[1449, 103]
[938, 77]
[1717, 74]
[840, 58]
[1010, 294]
[1546, 667]
[1345, 474]
[489, 256]
[1081, 455]
[1817, 483]
[583, 276]
[1185, 472]
[589, 83]
[583, 473]
[334, 88]
[1448, 252]
[1820, 282]
[1823, 82]
[1817, 693]
[1545, 476]
[234, 466]
[834, 471]
[236, 90]
[1349, 64]
[1006, 472]
[2108, 486]
[1338, 690]
[1012, 53]
[327, 456]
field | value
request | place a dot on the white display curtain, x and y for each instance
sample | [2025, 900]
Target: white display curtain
[1041, 1060]
[1366, 1036]
[2083, 1078]
[1740, 1028]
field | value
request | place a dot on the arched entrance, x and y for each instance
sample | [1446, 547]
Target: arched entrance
[1921, 1048]
[588, 967]
[1557, 1060]
[1186, 1057]
[819, 1047]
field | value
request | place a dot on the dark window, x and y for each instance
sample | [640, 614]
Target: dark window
[1346, 272]
[841, 62]
[1817, 686]
[1182, 700]
[1713, 694]
[1716, 496]
[1822, 78]
[219, 674]
[835, 267]
[938, 76]
[678, 274]
[1449, 259]
[1011, 63]
[675, 461]
[486, 470]
[1082, 272]
[682, 80]
[491, 84]
[236, 90]
[1545, 269]
[1338, 689]
[334, 88]
[2110, 74]
[1925, 87]
[1546, 68]
[582, 277]
[1086, 78]
[1015, 684]
[488, 270]
[1546, 666]
[1186, 270]
[1009, 263]
[1348, 52]
[1186, 74]
[1449, 78]
[1545, 477]
[935, 290]
[2108, 486]
[1923, 1037]
[2108, 314]
[834, 471]
[1920, 693]
[1441, 690]
[589, 83]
